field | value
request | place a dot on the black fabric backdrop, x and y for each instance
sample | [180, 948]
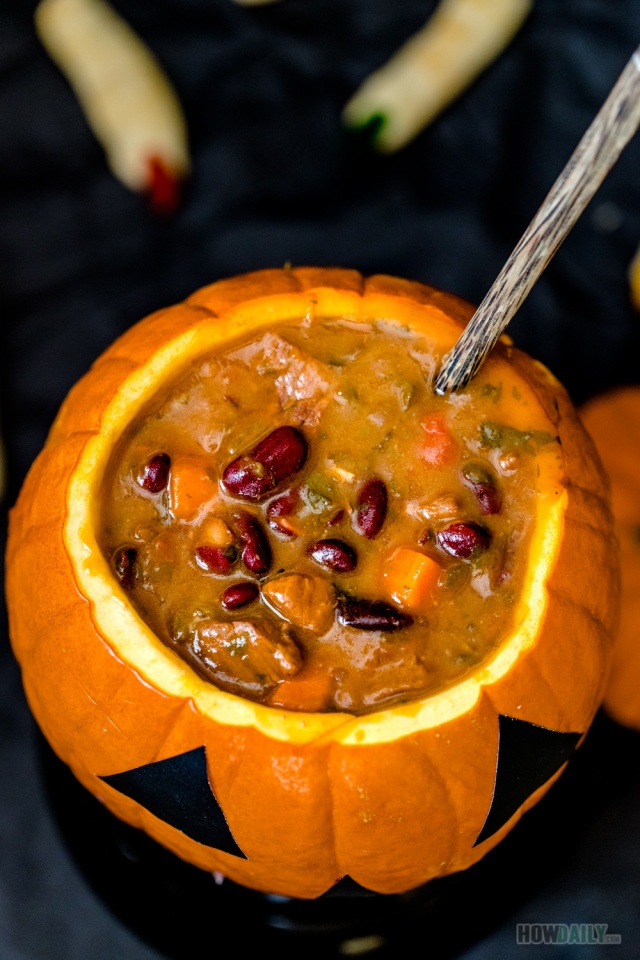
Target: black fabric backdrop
[275, 180]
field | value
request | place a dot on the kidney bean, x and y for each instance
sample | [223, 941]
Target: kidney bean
[488, 497]
[334, 554]
[283, 506]
[283, 451]
[464, 540]
[371, 615]
[155, 473]
[247, 478]
[483, 484]
[256, 552]
[371, 508]
[276, 458]
[124, 563]
[239, 595]
[216, 559]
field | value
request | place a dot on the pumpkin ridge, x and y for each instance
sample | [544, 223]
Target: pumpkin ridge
[594, 618]
[549, 697]
[331, 751]
[450, 795]
[329, 735]
[566, 724]
[170, 722]
[72, 435]
[598, 495]
[599, 680]
[595, 605]
[311, 278]
[230, 778]
[137, 335]
[599, 633]
[594, 530]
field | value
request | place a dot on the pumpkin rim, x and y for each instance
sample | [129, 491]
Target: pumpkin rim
[134, 642]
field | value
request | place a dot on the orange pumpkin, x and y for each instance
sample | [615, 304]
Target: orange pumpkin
[283, 801]
[613, 420]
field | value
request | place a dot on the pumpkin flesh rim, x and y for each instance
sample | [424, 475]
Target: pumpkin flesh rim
[133, 641]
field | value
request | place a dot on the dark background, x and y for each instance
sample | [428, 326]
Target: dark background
[276, 179]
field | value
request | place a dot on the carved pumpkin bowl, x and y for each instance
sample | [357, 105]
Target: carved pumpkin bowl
[403, 670]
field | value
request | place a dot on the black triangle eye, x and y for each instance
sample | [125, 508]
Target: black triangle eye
[528, 756]
[178, 791]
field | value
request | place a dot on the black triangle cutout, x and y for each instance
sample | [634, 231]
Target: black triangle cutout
[178, 791]
[528, 755]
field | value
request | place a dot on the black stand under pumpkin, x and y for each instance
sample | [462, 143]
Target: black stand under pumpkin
[175, 907]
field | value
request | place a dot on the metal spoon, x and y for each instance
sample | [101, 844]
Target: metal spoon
[613, 127]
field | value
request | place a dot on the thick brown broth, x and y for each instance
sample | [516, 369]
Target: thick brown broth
[309, 526]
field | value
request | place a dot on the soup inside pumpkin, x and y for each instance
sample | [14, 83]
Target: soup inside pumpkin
[309, 526]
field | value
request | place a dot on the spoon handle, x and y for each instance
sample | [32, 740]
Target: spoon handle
[614, 125]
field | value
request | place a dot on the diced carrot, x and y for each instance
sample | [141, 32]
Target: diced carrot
[308, 690]
[410, 577]
[189, 487]
[438, 447]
